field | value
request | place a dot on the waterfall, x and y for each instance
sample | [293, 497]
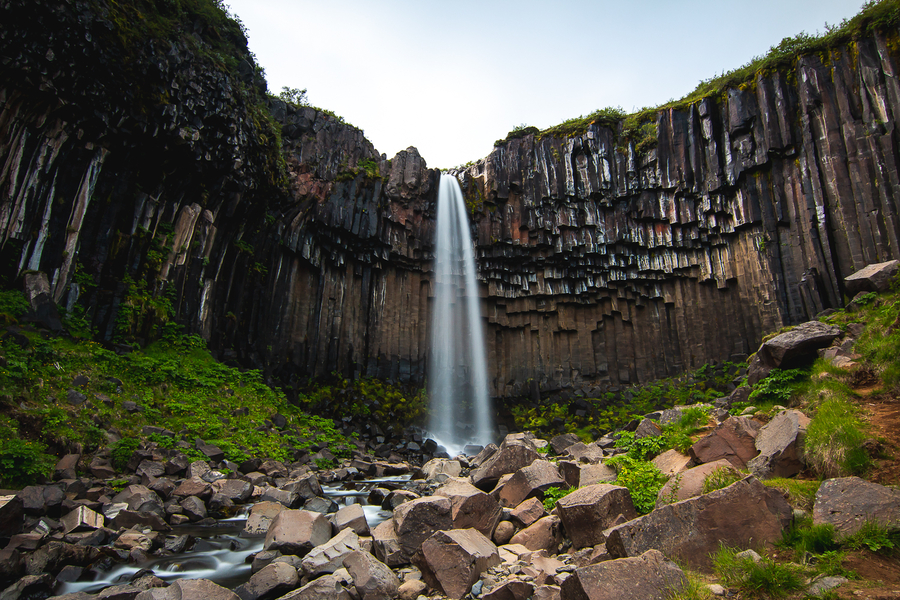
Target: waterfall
[460, 409]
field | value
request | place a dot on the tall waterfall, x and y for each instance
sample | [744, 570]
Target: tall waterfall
[457, 371]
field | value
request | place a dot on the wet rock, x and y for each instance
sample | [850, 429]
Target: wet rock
[30, 586]
[742, 514]
[306, 487]
[194, 508]
[688, 484]
[321, 505]
[452, 561]
[650, 576]
[131, 518]
[587, 511]
[780, 446]
[416, 520]
[189, 589]
[119, 592]
[848, 502]
[470, 507]
[297, 532]
[530, 481]
[272, 581]
[236, 490]
[352, 517]
[329, 557]
[543, 534]
[734, 440]
[373, 579]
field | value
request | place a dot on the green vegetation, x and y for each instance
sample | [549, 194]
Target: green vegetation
[777, 387]
[174, 383]
[834, 439]
[800, 493]
[642, 479]
[765, 578]
[876, 538]
[552, 416]
[802, 537]
[367, 397]
[722, 477]
[551, 495]
[519, 131]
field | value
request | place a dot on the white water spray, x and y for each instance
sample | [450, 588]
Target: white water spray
[457, 373]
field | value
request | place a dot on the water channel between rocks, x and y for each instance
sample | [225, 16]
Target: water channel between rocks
[220, 553]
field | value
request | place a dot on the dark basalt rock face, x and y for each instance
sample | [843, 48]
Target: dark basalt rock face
[600, 265]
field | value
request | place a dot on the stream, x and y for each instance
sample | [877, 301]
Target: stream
[219, 552]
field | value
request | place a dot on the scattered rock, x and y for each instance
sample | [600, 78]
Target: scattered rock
[470, 507]
[734, 440]
[543, 534]
[297, 532]
[848, 502]
[373, 579]
[530, 481]
[689, 484]
[452, 561]
[587, 511]
[650, 576]
[329, 557]
[872, 278]
[416, 520]
[780, 446]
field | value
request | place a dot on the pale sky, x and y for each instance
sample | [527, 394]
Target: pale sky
[451, 77]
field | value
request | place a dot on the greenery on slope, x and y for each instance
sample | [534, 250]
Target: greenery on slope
[640, 127]
[59, 394]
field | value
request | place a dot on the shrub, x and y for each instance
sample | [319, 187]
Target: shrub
[802, 536]
[800, 493]
[642, 479]
[122, 451]
[722, 477]
[23, 461]
[875, 537]
[551, 495]
[764, 577]
[777, 387]
[834, 440]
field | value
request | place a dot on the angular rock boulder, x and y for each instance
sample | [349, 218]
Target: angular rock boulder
[734, 439]
[12, 515]
[528, 512]
[189, 589]
[780, 446]
[261, 515]
[587, 511]
[297, 532]
[416, 520]
[872, 278]
[351, 517]
[440, 469]
[373, 579]
[511, 589]
[329, 557]
[650, 576]
[80, 519]
[543, 534]
[671, 462]
[786, 349]
[509, 458]
[386, 546]
[689, 484]
[531, 481]
[848, 502]
[452, 561]
[327, 587]
[470, 507]
[272, 581]
[744, 514]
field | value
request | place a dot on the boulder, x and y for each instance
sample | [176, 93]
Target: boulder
[561, 442]
[591, 474]
[30, 586]
[285, 497]
[671, 462]
[236, 490]
[386, 546]
[543, 534]
[872, 278]
[587, 511]
[352, 517]
[66, 467]
[780, 446]
[260, 517]
[744, 514]
[416, 520]
[585, 453]
[848, 502]
[12, 516]
[327, 587]
[119, 592]
[440, 469]
[547, 592]
[528, 512]
[189, 589]
[373, 579]
[511, 589]
[194, 486]
[329, 557]
[272, 581]
[734, 440]
[452, 561]
[80, 519]
[297, 532]
[470, 507]
[791, 347]
[650, 576]
[194, 508]
[306, 486]
[504, 532]
[411, 589]
[143, 518]
[509, 458]
[689, 484]
[647, 428]
[530, 481]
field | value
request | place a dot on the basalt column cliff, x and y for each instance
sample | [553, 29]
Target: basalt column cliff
[139, 170]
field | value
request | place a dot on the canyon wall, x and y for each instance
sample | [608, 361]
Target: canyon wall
[141, 178]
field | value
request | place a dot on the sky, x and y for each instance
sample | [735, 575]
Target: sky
[451, 77]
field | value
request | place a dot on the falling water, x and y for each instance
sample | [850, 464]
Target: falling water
[457, 373]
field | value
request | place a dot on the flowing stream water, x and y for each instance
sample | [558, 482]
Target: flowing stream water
[219, 552]
[457, 371]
